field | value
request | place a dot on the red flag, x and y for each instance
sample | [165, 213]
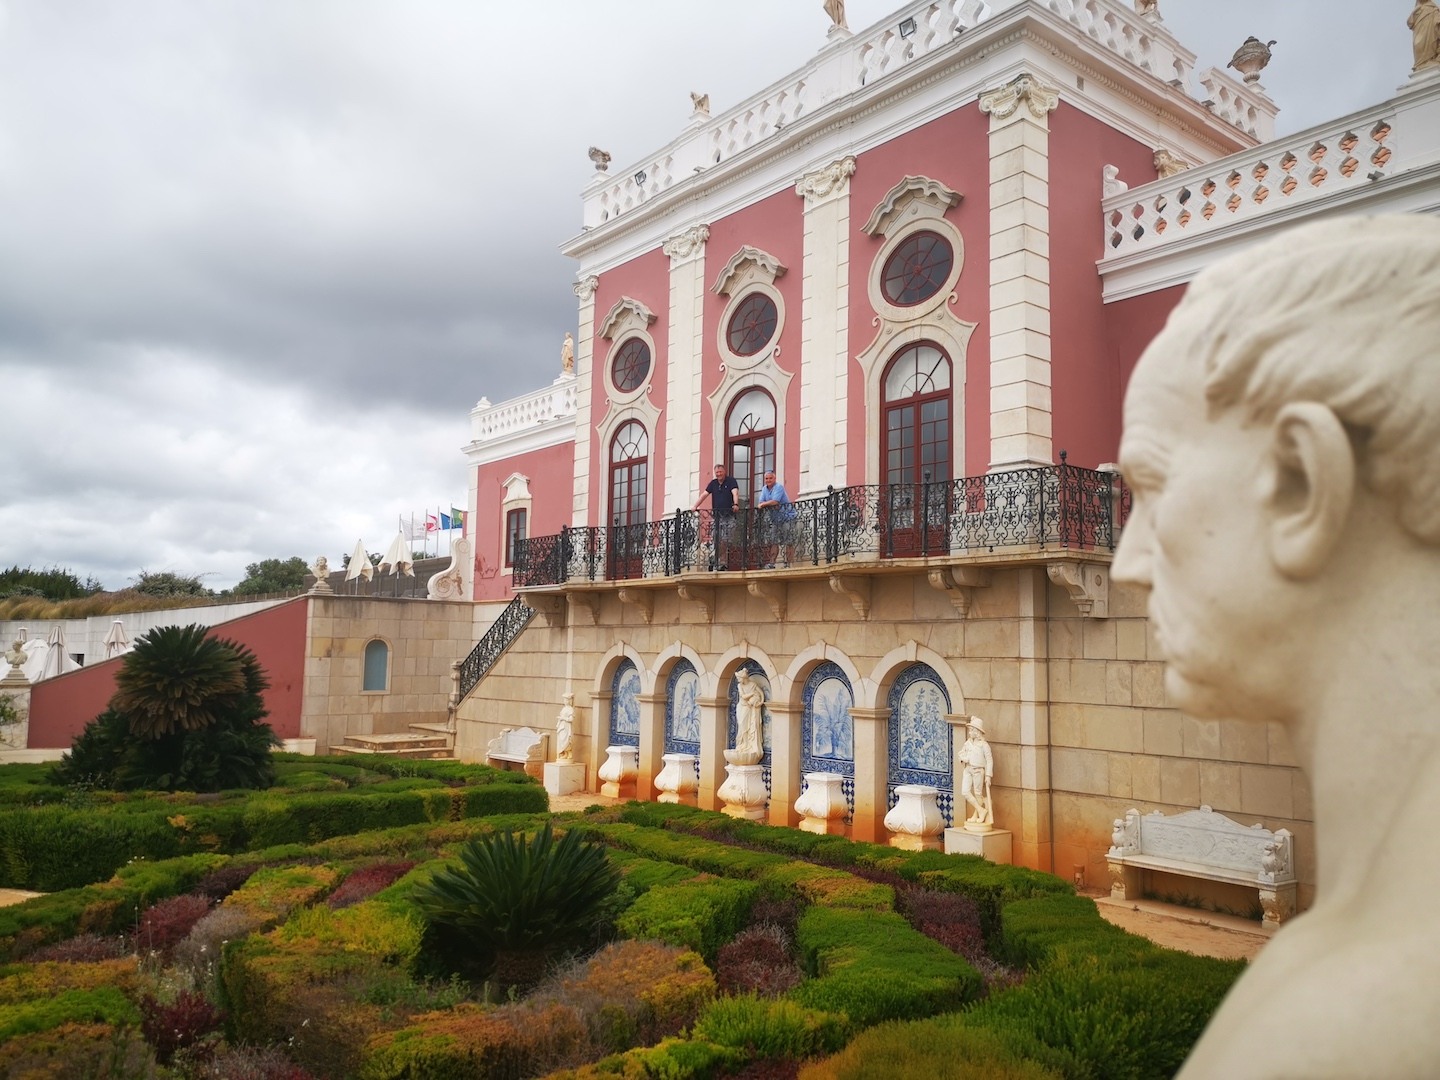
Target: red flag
[432, 523]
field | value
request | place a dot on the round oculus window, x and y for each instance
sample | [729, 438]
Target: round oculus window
[917, 269]
[753, 325]
[630, 366]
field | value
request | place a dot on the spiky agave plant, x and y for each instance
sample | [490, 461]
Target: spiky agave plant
[517, 901]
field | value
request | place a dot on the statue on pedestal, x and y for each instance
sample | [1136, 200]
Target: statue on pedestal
[1424, 23]
[977, 770]
[749, 713]
[565, 729]
[567, 355]
[1308, 365]
[836, 10]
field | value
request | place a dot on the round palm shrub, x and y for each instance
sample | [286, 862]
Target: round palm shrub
[187, 715]
[514, 902]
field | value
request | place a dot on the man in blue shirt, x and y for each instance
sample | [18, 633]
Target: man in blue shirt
[779, 516]
[723, 492]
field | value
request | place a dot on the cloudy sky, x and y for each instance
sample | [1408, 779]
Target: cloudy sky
[259, 258]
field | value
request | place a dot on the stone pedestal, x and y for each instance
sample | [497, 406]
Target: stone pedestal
[914, 822]
[620, 771]
[564, 777]
[994, 845]
[821, 805]
[743, 792]
[677, 782]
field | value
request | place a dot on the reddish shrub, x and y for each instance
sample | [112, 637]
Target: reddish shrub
[252, 1063]
[365, 882]
[81, 949]
[220, 883]
[950, 918]
[172, 1026]
[759, 960]
[165, 925]
[782, 911]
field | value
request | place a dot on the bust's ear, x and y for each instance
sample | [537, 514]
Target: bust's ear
[1311, 469]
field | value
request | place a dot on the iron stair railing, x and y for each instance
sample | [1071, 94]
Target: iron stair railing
[488, 650]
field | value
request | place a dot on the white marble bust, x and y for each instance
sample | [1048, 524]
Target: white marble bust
[1282, 438]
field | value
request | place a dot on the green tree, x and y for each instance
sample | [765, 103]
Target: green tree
[166, 583]
[187, 715]
[272, 576]
[52, 584]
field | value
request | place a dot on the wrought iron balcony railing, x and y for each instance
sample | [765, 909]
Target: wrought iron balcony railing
[1056, 506]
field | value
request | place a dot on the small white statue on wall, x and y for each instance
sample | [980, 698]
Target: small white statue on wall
[565, 729]
[977, 769]
[749, 712]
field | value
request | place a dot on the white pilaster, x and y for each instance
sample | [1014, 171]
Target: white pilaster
[584, 366]
[1020, 408]
[683, 364]
[825, 322]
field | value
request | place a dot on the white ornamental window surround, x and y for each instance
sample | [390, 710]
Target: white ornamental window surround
[514, 495]
[734, 385]
[627, 327]
[748, 279]
[648, 417]
[912, 213]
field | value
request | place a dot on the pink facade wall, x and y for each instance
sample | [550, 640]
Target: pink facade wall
[647, 279]
[775, 225]
[1087, 373]
[551, 472]
[954, 149]
[61, 707]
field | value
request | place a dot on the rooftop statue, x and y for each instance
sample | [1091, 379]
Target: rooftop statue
[836, 10]
[1424, 22]
[1282, 438]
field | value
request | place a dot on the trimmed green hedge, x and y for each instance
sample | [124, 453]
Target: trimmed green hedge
[48, 848]
[701, 914]
[873, 966]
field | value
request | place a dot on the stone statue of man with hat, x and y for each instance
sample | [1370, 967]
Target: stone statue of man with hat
[976, 771]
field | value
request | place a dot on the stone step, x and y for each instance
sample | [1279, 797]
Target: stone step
[434, 729]
[398, 744]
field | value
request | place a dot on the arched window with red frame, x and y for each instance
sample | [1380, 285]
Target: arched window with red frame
[750, 441]
[629, 497]
[915, 460]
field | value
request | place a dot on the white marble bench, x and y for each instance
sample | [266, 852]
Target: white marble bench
[525, 747]
[1204, 844]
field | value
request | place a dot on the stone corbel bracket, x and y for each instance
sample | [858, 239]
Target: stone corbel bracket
[588, 602]
[856, 589]
[773, 593]
[551, 608]
[1087, 583]
[959, 583]
[643, 600]
[701, 595]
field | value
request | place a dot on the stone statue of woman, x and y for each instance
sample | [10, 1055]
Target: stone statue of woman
[836, 10]
[565, 729]
[1424, 22]
[748, 716]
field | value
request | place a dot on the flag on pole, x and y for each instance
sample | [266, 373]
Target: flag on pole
[457, 518]
[413, 530]
[445, 525]
[432, 523]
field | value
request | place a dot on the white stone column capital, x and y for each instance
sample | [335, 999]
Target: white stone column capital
[585, 288]
[1022, 98]
[686, 245]
[823, 185]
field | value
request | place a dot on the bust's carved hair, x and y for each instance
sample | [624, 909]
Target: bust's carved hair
[1347, 314]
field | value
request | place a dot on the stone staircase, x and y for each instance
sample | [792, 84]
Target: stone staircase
[432, 741]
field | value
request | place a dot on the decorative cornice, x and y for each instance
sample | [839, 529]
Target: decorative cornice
[687, 245]
[912, 189]
[765, 264]
[1039, 99]
[828, 183]
[625, 309]
[585, 287]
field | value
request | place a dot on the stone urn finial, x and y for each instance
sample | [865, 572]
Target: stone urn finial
[1250, 59]
[600, 158]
